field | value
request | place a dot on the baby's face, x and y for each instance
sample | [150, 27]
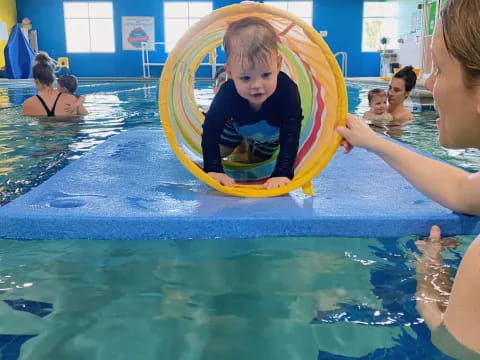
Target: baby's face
[378, 104]
[255, 82]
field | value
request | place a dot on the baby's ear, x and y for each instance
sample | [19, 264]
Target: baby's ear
[279, 62]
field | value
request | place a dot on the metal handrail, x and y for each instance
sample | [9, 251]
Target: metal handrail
[146, 59]
[343, 62]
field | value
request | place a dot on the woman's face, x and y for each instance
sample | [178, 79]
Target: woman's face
[396, 91]
[458, 107]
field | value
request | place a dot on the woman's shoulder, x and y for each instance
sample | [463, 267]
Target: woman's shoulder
[30, 105]
[30, 100]
[462, 317]
[450, 345]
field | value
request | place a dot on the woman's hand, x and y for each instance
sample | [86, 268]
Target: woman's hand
[357, 133]
[432, 248]
[434, 282]
[222, 178]
[276, 182]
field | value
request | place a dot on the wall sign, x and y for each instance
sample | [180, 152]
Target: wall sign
[136, 29]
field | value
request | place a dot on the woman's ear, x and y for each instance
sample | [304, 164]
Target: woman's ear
[227, 70]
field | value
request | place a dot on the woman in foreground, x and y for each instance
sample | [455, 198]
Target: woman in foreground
[455, 83]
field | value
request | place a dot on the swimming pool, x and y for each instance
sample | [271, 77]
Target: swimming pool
[281, 298]
[33, 149]
[274, 298]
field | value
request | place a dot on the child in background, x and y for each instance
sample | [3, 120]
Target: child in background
[68, 84]
[377, 100]
[258, 103]
[219, 78]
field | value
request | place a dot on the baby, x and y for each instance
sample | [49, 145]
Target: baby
[68, 84]
[377, 100]
[219, 79]
[258, 104]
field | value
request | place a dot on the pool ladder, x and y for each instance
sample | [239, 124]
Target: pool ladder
[146, 63]
[343, 62]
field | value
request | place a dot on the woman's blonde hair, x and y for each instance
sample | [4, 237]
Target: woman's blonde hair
[251, 38]
[461, 32]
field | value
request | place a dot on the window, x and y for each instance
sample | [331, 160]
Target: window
[89, 27]
[380, 19]
[179, 16]
[302, 9]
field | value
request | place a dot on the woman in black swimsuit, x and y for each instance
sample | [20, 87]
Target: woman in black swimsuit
[48, 102]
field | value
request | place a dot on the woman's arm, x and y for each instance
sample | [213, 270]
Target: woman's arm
[433, 278]
[453, 188]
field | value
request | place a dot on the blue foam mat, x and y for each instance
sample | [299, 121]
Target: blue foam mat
[133, 187]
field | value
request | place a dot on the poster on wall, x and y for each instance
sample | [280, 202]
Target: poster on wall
[138, 29]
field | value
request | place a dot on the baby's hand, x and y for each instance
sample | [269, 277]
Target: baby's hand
[276, 182]
[71, 108]
[222, 178]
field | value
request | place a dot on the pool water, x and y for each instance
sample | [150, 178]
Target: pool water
[33, 149]
[276, 298]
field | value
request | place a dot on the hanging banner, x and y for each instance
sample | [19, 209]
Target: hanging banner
[138, 29]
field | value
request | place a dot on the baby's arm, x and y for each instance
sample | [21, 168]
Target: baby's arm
[290, 127]
[80, 108]
[77, 107]
[367, 114]
[213, 126]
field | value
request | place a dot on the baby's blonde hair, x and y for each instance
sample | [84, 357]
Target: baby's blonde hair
[250, 39]
[374, 92]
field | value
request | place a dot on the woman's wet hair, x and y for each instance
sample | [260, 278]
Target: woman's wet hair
[42, 69]
[68, 82]
[408, 75]
[460, 21]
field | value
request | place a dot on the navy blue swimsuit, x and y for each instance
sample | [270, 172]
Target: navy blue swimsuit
[277, 124]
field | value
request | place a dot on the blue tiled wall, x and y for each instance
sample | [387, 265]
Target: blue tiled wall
[341, 18]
